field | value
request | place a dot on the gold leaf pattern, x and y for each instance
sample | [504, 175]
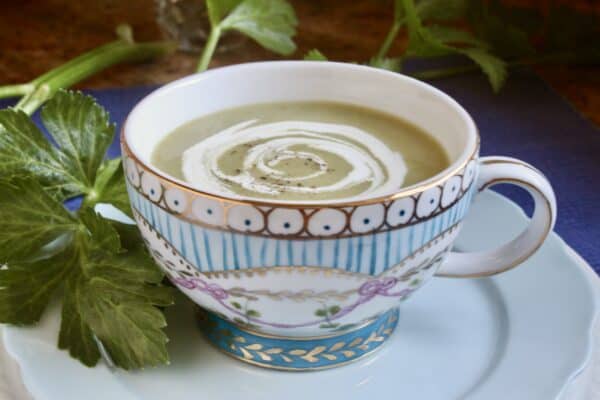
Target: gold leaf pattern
[330, 357]
[355, 342]
[247, 355]
[337, 346]
[310, 356]
[264, 356]
[298, 352]
[255, 346]
[348, 353]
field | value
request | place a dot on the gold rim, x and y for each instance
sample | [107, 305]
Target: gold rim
[410, 191]
[303, 233]
[512, 162]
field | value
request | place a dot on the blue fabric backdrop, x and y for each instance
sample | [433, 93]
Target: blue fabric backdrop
[526, 120]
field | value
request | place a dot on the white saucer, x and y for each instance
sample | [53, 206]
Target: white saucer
[521, 335]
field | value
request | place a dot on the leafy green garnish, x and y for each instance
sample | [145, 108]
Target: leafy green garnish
[28, 287]
[82, 131]
[109, 186]
[271, 23]
[29, 219]
[390, 64]
[435, 40]
[116, 296]
[441, 10]
[75, 334]
[218, 9]
[111, 290]
[493, 35]
[315, 55]
[25, 150]
[492, 66]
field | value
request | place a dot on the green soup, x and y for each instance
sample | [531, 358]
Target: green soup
[300, 151]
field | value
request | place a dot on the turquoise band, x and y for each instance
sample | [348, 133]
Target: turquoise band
[298, 354]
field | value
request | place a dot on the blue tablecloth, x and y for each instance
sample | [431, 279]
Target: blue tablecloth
[526, 120]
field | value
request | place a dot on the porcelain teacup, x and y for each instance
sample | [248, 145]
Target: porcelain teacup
[314, 285]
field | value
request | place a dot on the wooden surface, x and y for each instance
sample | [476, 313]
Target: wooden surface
[36, 35]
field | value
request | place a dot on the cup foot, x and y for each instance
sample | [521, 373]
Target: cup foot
[296, 353]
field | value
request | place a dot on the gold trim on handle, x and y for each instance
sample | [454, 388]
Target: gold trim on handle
[517, 182]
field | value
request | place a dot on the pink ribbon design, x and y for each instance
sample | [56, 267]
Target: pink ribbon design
[367, 291]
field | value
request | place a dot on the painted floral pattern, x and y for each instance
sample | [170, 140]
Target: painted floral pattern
[325, 316]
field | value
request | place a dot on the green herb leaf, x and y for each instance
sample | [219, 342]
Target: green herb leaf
[24, 151]
[26, 288]
[110, 188]
[112, 289]
[506, 29]
[436, 41]
[135, 267]
[29, 220]
[387, 63]
[129, 235]
[113, 297]
[102, 234]
[271, 23]
[78, 125]
[399, 13]
[492, 66]
[119, 302]
[82, 130]
[314, 55]
[75, 334]
[217, 9]
[442, 10]
[422, 43]
[455, 37]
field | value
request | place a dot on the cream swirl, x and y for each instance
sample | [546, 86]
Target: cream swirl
[293, 159]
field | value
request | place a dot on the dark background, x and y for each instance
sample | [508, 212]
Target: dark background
[548, 116]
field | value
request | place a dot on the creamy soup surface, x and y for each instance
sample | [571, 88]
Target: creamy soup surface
[300, 151]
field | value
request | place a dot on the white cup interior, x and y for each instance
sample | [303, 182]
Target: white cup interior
[195, 96]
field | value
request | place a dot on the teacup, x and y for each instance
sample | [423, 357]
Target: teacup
[309, 286]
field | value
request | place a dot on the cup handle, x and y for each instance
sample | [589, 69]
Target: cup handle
[494, 170]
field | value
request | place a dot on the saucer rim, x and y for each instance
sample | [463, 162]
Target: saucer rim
[592, 286]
